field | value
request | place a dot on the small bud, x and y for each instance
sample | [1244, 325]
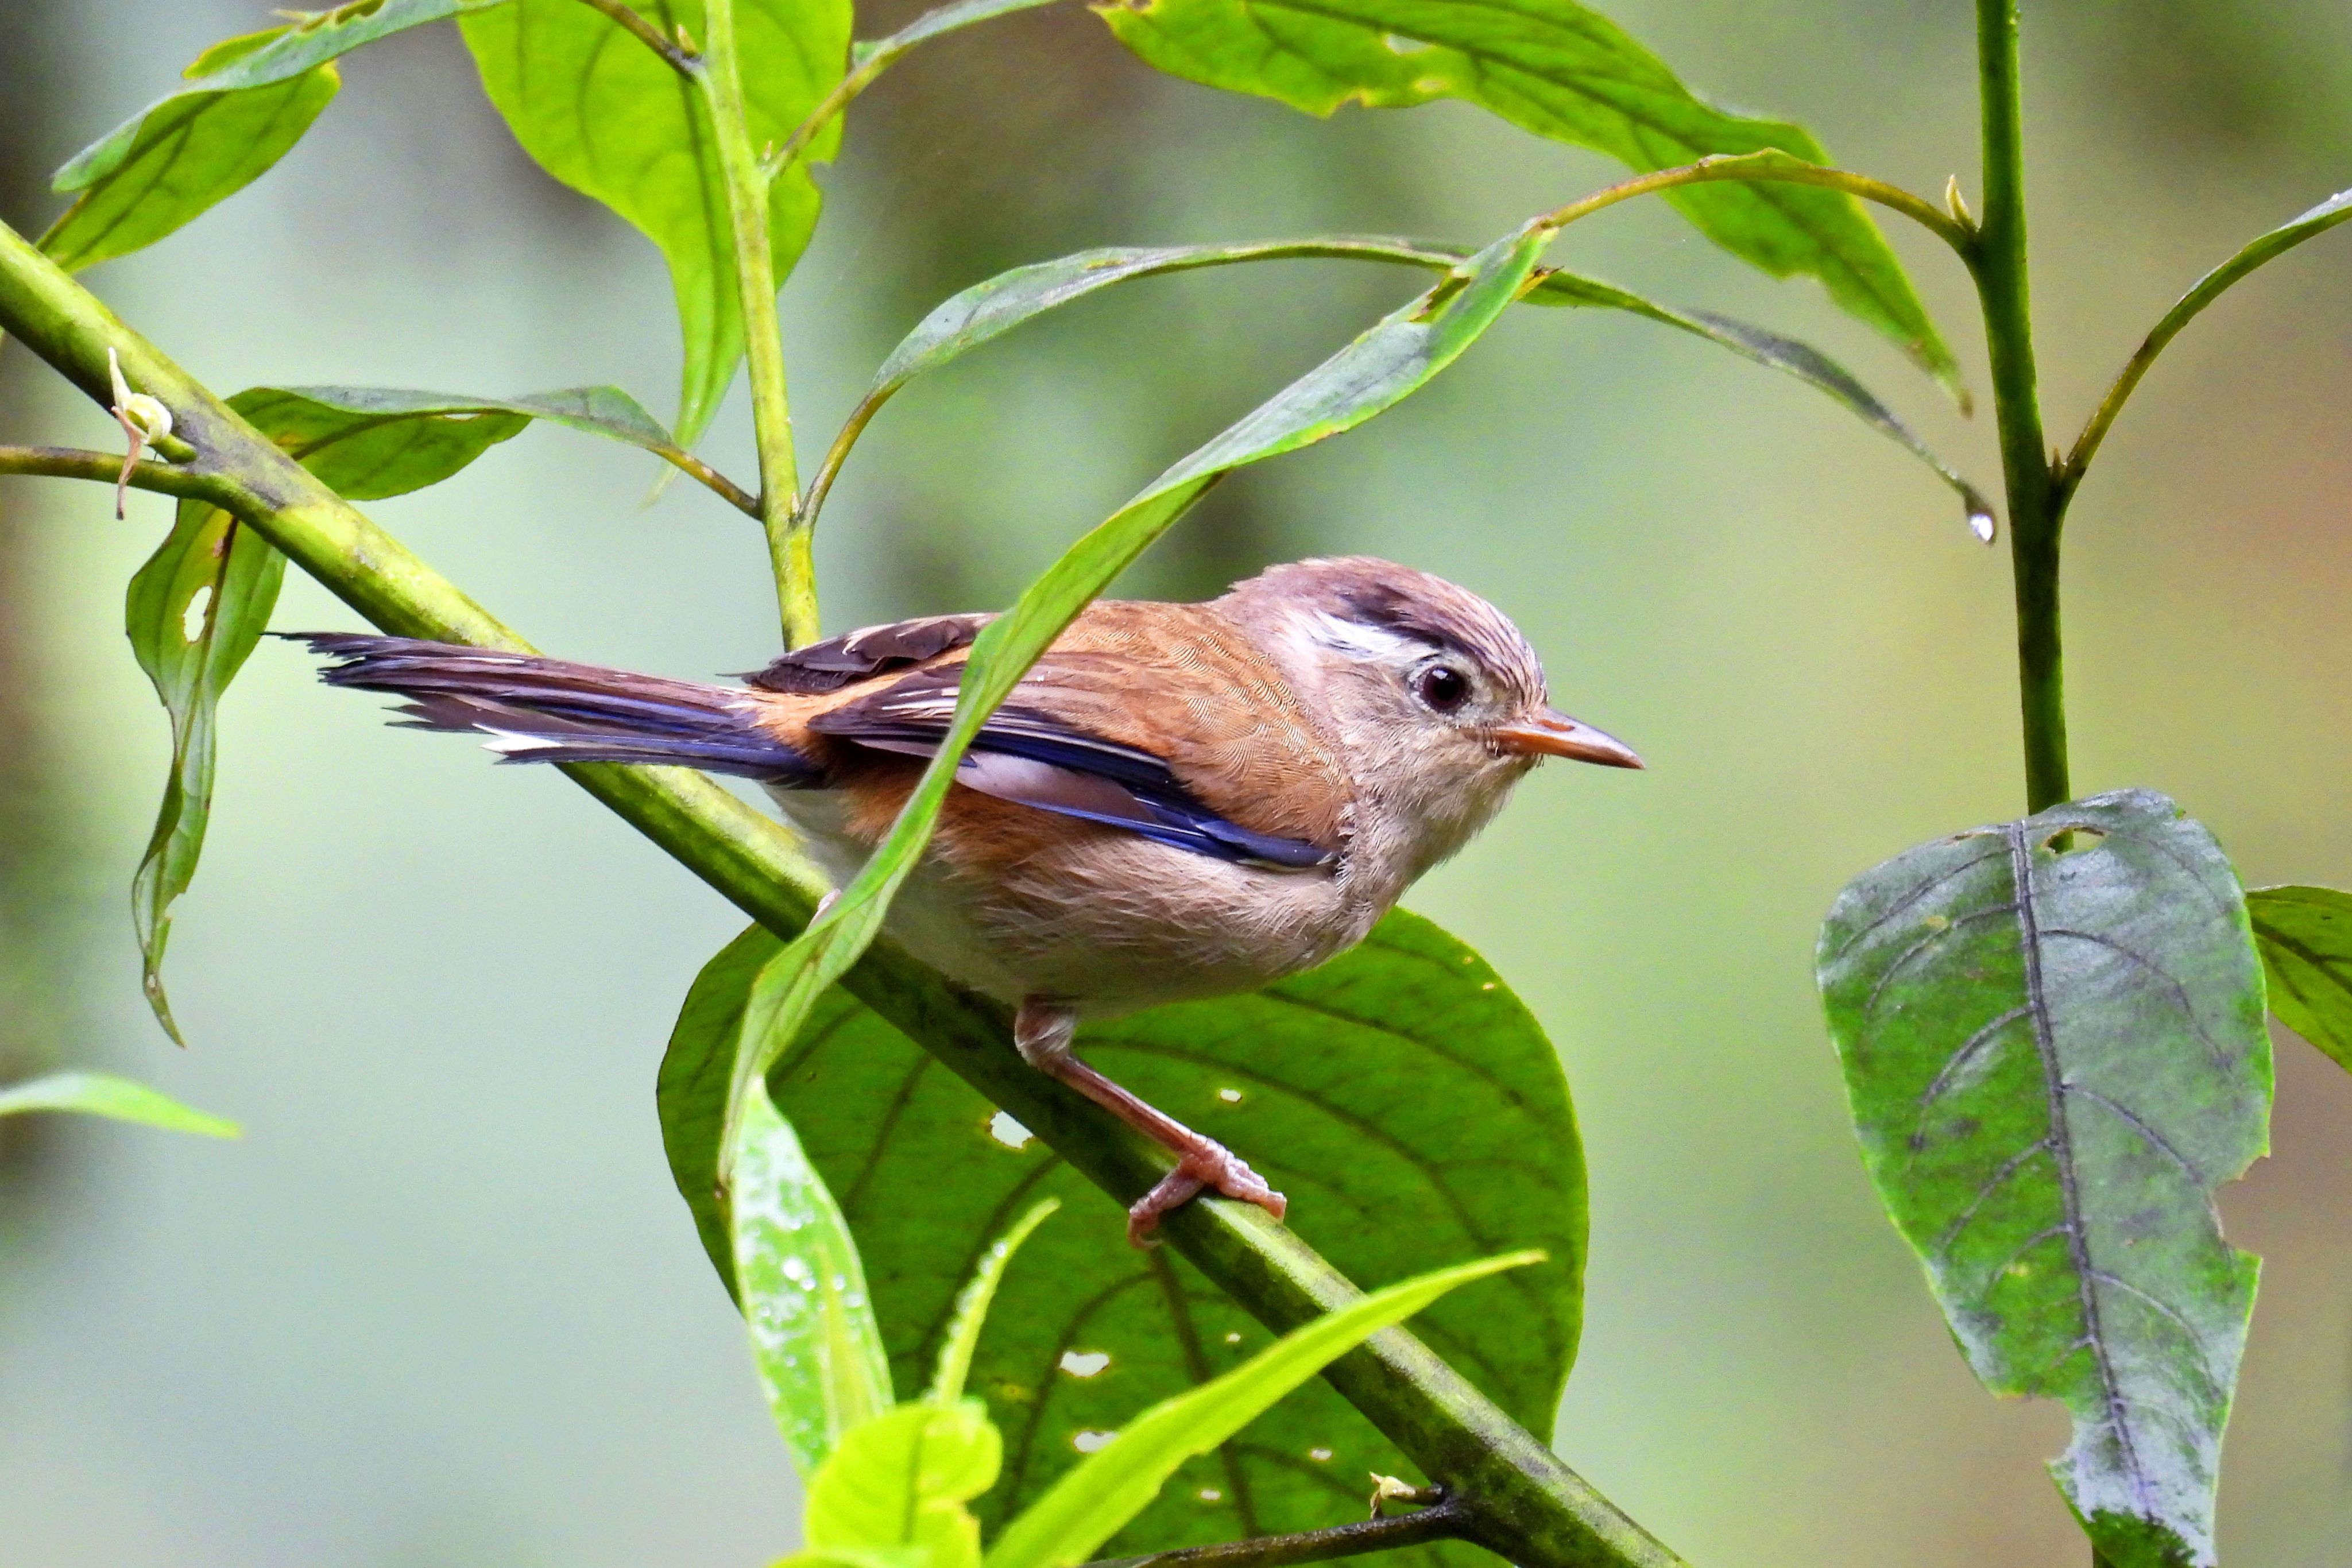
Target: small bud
[144, 419]
[1955, 204]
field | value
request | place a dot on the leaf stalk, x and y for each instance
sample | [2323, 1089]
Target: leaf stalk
[679, 58]
[1447, 1520]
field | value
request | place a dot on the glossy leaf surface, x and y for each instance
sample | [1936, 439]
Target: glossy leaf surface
[2305, 937]
[609, 117]
[248, 101]
[1556, 69]
[193, 614]
[1095, 1501]
[901, 1483]
[104, 1094]
[373, 441]
[2054, 1061]
[1403, 1097]
[989, 309]
[1380, 369]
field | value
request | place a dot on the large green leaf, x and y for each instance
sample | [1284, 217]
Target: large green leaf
[989, 309]
[1110, 1486]
[1553, 67]
[2305, 937]
[1380, 369]
[2054, 1060]
[193, 614]
[248, 101]
[104, 1094]
[373, 441]
[1400, 1095]
[611, 119]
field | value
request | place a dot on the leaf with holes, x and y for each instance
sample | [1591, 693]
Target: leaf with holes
[1556, 69]
[2054, 1061]
[368, 443]
[2305, 937]
[611, 119]
[1324, 1082]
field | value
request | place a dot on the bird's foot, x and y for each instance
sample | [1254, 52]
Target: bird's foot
[1209, 1166]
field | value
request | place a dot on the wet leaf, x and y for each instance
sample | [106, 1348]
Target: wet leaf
[367, 443]
[2305, 937]
[1562, 71]
[611, 119]
[103, 1094]
[248, 102]
[2054, 1061]
[1403, 1097]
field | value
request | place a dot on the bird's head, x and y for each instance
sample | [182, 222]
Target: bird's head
[1435, 698]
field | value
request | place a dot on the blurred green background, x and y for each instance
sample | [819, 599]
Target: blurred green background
[442, 1306]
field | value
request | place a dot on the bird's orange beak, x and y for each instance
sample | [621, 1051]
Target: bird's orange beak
[1553, 733]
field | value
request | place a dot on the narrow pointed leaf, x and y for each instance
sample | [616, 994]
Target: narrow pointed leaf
[103, 1094]
[1380, 369]
[2305, 937]
[611, 119]
[248, 101]
[193, 614]
[1323, 1082]
[989, 309]
[879, 52]
[1096, 1499]
[814, 1338]
[1562, 71]
[373, 441]
[2054, 1061]
[977, 1296]
[899, 1484]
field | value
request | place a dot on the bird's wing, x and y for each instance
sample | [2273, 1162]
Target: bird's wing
[1162, 719]
[869, 651]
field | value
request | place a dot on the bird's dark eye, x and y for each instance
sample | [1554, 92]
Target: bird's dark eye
[1442, 688]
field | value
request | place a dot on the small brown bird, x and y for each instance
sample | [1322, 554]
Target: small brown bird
[1178, 800]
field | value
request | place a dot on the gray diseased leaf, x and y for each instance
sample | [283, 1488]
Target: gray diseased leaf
[2305, 937]
[1324, 1082]
[2054, 1062]
[1556, 69]
[609, 117]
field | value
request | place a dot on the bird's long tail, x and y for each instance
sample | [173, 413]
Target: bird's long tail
[534, 709]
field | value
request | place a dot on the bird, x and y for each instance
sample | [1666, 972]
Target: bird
[1178, 800]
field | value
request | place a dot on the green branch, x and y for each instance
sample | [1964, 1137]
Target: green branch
[1520, 1500]
[2036, 498]
[75, 462]
[789, 552]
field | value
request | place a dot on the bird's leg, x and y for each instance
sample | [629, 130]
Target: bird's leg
[1044, 1032]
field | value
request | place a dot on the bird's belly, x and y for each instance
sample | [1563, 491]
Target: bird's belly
[1104, 920]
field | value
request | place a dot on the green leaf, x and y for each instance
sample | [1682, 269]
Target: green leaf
[1095, 1501]
[901, 1481]
[1323, 1081]
[2305, 937]
[971, 1306]
[371, 442]
[876, 53]
[103, 1094]
[611, 119]
[248, 101]
[1379, 370]
[1562, 71]
[193, 614]
[989, 309]
[814, 1337]
[2054, 1061]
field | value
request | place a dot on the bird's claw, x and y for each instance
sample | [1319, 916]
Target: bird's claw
[1211, 1168]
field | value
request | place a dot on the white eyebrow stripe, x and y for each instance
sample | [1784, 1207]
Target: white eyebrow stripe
[1366, 640]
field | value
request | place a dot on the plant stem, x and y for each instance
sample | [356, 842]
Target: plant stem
[74, 463]
[1518, 1498]
[789, 552]
[1442, 1522]
[2036, 498]
[631, 22]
